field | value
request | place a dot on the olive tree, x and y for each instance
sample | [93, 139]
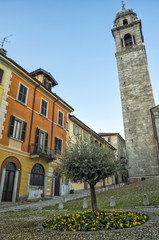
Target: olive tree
[88, 162]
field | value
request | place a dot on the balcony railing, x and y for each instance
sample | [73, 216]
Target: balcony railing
[36, 151]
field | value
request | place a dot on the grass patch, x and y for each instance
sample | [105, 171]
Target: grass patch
[125, 197]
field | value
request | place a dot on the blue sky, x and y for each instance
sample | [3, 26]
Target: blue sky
[72, 40]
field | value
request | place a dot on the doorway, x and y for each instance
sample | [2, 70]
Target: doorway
[9, 182]
[57, 185]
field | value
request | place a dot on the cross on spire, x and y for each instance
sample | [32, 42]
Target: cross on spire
[123, 5]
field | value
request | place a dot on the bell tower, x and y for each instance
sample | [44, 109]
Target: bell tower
[136, 96]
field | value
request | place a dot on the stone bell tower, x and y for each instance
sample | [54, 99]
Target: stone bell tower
[136, 96]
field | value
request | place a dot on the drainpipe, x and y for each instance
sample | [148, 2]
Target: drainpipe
[53, 113]
[32, 116]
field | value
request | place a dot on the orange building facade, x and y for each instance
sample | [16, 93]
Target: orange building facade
[33, 133]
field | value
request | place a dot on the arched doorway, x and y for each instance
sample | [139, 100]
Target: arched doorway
[9, 182]
[10, 174]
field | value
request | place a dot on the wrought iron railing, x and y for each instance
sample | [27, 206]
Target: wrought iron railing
[45, 152]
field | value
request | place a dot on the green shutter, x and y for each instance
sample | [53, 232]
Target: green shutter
[23, 131]
[56, 144]
[50, 86]
[46, 142]
[36, 140]
[11, 126]
[37, 136]
[45, 82]
[60, 146]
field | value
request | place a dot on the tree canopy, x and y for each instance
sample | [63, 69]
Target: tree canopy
[88, 162]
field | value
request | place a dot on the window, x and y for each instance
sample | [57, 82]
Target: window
[84, 135]
[107, 139]
[43, 107]
[45, 82]
[74, 129]
[50, 86]
[60, 119]
[22, 93]
[88, 137]
[17, 128]
[78, 131]
[128, 40]
[41, 141]
[37, 175]
[125, 22]
[1, 75]
[58, 146]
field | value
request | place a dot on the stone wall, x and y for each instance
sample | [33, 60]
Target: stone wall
[136, 97]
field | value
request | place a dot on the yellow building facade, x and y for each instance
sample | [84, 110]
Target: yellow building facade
[78, 129]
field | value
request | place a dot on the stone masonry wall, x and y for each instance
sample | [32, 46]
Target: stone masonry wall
[137, 99]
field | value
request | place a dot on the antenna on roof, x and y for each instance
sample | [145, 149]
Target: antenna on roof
[123, 5]
[5, 39]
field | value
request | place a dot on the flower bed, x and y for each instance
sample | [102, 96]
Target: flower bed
[103, 220]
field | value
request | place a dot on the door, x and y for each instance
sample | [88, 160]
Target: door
[57, 185]
[9, 182]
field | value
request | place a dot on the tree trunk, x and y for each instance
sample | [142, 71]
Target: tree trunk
[93, 198]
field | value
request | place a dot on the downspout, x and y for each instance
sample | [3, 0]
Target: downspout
[32, 117]
[53, 113]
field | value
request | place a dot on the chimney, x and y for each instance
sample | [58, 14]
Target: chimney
[3, 51]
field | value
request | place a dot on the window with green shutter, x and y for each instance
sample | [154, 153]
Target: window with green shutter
[43, 107]
[60, 119]
[58, 145]
[50, 86]
[41, 141]
[17, 128]
[22, 93]
[45, 82]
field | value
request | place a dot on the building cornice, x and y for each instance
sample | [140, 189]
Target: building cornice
[24, 73]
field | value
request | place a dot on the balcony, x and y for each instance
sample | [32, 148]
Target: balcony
[36, 151]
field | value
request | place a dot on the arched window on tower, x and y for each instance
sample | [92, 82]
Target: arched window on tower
[128, 40]
[125, 22]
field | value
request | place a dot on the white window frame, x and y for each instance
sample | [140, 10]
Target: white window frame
[19, 131]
